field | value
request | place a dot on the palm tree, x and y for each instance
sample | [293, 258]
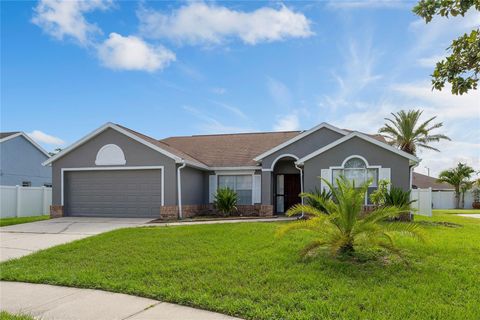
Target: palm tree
[456, 177]
[464, 187]
[407, 133]
[343, 226]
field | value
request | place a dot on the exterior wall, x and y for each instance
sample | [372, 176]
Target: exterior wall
[375, 155]
[193, 184]
[267, 187]
[21, 161]
[136, 154]
[302, 147]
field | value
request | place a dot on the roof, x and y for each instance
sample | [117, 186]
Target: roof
[422, 181]
[7, 134]
[229, 150]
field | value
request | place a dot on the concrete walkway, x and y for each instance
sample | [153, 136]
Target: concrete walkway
[472, 215]
[52, 302]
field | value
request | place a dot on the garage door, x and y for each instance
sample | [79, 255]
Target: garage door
[119, 193]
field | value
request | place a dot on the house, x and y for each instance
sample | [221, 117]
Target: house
[421, 181]
[115, 171]
[21, 161]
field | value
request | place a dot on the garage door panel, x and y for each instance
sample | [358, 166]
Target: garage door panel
[127, 193]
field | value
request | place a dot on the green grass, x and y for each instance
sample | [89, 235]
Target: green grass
[8, 316]
[456, 211]
[11, 221]
[243, 270]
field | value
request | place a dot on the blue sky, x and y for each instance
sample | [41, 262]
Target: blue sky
[181, 68]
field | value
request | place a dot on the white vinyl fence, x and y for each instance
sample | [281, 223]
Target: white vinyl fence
[446, 199]
[423, 203]
[24, 201]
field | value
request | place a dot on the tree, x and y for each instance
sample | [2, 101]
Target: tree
[462, 67]
[407, 133]
[456, 177]
[464, 187]
[342, 226]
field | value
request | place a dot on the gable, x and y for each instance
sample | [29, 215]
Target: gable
[304, 146]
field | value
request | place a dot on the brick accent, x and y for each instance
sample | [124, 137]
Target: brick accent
[56, 211]
[257, 210]
[169, 212]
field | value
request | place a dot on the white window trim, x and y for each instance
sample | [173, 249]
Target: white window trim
[285, 155]
[361, 136]
[237, 173]
[342, 167]
[161, 168]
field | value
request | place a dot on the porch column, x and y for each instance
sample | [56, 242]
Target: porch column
[267, 191]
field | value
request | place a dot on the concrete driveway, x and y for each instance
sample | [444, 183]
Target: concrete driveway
[22, 239]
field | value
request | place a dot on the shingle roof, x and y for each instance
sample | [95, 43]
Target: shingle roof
[164, 146]
[229, 150]
[7, 134]
[423, 181]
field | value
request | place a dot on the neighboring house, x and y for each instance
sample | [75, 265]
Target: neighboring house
[115, 171]
[421, 181]
[21, 161]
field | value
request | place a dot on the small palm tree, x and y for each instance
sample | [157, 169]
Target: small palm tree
[456, 177]
[225, 201]
[316, 198]
[343, 226]
[407, 133]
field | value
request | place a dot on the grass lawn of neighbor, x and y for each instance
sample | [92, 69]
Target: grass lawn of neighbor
[11, 221]
[457, 211]
[8, 316]
[244, 270]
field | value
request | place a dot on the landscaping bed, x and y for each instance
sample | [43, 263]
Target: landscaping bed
[244, 270]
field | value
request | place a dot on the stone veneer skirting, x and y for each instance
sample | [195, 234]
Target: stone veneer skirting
[56, 211]
[171, 212]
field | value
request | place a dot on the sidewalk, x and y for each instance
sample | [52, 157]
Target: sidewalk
[53, 302]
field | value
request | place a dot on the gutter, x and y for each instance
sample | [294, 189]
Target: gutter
[301, 187]
[411, 182]
[179, 189]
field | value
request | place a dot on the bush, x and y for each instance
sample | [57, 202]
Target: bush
[225, 201]
[316, 198]
[398, 198]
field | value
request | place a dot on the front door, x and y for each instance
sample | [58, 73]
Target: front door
[287, 191]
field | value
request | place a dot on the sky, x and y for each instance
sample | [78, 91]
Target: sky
[182, 68]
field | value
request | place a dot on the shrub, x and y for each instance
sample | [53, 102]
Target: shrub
[225, 201]
[398, 198]
[378, 196]
[342, 227]
[316, 198]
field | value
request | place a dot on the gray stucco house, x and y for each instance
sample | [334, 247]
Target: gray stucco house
[21, 161]
[115, 171]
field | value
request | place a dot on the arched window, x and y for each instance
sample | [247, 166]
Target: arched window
[357, 171]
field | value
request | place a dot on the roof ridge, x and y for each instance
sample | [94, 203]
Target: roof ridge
[231, 134]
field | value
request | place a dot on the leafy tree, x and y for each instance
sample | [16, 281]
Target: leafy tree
[406, 132]
[225, 201]
[456, 177]
[462, 67]
[343, 226]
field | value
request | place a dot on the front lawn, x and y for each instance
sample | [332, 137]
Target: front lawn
[8, 316]
[11, 221]
[243, 270]
[456, 211]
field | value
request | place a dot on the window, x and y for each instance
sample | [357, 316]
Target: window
[242, 185]
[26, 183]
[355, 170]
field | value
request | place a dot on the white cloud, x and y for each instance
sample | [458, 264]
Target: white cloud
[42, 137]
[66, 18]
[430, 62]
[279, 92]
[211, 125]
[236, 111]
[201, 23]
[356, 74]
[132, 53]
[219, 90]
[287, 122]
[368, 4]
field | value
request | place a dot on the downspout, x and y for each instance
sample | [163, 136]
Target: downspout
[179, 191]
[301, 187]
